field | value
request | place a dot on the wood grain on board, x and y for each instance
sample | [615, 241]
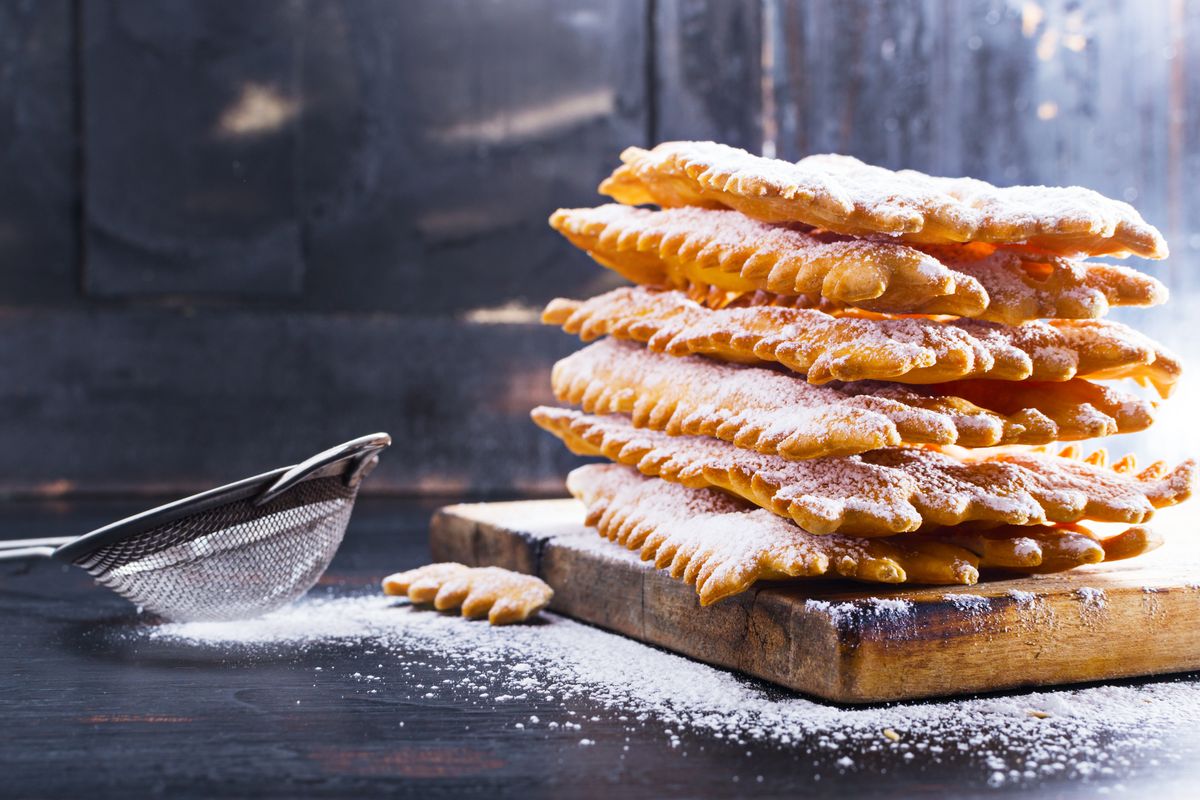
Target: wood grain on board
[850, 642]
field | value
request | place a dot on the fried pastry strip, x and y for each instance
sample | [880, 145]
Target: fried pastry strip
[889, 491]
[722, 545]
[1047, 548]
[1048, 412]
[697, 248]
[908, 350]
[1025, 286]
[842, 194]
[777, 413]
[501, 595]
[681, 247]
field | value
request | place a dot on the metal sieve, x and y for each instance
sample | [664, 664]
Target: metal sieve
[236, 551]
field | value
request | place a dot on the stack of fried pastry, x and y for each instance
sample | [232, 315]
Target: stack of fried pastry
[826, 368]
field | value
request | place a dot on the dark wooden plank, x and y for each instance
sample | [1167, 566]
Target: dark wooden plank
[190, 147]
[1053, 93]
[1065, 94]
[834, 639]
[707, 67]
[168, 399]
[855, 77]
[95, 707]
[39, 229]
[438, 137]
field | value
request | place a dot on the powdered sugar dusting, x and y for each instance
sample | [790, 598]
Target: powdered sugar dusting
[1067, 290]
[1093, 601]
[731, 231]
[892, 612]
[715, 541]
[848, 347]
[884, 491]
[770, 410]
[970, 603]
[1086, 734]
[842, 193]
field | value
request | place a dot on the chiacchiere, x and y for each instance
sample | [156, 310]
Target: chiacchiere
[500, 595]
[777, 413]
[722, 545]
[888, 491]
[703, 249]
[844, 195]
[816, 355]
[826, 347]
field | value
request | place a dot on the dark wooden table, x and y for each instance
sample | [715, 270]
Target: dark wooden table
[86, 709]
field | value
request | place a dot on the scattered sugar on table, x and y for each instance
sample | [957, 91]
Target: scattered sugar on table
[1083, 733]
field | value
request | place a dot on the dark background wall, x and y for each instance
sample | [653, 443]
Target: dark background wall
[233, 232]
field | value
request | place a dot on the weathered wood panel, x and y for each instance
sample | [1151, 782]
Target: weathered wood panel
[148, 399]
[190, 141]
[1183, 206]
[707, 64]
[39, 196]
[855, 77]
[315, 164]
[1055, 92]
[439, 136]
[333, 219]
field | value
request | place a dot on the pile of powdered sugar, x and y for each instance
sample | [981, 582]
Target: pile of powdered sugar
[1081, 733]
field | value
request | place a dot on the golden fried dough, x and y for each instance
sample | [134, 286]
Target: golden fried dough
[722, 545]
[683, 247]
[1025, 547]
[1046, 548]
[1025, 286]
[1130, 542]
[844, 195]
[888, 491]
[778, 413]
[908, 350]
[700, 250]
[501, 595]
[1046, 412]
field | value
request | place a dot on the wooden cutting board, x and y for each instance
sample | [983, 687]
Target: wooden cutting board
[850, 642]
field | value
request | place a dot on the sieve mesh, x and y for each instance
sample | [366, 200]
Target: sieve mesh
[231, 561]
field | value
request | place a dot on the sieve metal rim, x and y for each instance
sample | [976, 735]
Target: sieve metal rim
[353, 460]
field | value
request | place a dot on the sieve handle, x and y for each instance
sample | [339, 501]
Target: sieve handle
[361, 450]
[15, 549]
[21, 553]
[45, 541]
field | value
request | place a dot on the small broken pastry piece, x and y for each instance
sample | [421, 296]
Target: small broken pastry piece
[499, 594]
[844, 195]
[701, 249]
[826, 347]
[775, 412]
[888, 491]
[722, 545]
